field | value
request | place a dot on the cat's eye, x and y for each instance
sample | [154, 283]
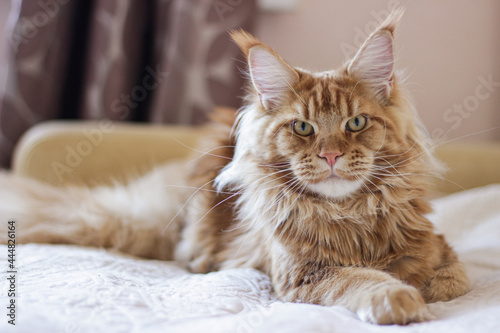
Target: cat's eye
[302, 128]
[356, 124]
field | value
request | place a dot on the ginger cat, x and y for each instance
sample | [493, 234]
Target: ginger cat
[321, 185]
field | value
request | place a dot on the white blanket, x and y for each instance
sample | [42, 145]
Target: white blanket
[75, 289]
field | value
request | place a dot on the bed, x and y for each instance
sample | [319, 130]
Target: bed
[63, 288]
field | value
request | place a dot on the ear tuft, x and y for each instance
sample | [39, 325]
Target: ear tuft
[272, 77]
[374, 62]
[391, 23]
[244, 40]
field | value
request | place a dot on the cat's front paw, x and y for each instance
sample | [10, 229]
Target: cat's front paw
[393, 305]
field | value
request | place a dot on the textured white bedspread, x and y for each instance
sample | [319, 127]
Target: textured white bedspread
[75, 289]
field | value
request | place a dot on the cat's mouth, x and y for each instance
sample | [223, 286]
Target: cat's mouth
[335, 185]
[333, 177]
[340, 175]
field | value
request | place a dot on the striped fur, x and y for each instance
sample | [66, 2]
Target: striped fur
[353, 233]
[360, 239]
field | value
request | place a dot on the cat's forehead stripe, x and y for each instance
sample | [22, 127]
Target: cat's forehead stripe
[328, 95]
[302, 110]
[319, 96]
[342, 105]
[312, 105]
[354, 107]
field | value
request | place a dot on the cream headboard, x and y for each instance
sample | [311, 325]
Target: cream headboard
[102, 152]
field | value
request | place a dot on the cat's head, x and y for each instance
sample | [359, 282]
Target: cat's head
[331, 133]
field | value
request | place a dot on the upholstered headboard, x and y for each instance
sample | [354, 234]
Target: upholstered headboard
[102, 152]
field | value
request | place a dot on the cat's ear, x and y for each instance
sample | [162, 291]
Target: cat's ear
[374, 62]
[271, 77]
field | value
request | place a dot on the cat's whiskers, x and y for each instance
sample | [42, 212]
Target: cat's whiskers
[289, 185]
[393, 167]
[424, 152]
[420, 174]
[389, 174]
[362, 177]
[384, 173]
[200, 188]
[408, 161]
[396, 148]
[370, 169]
[384, 182]
[277, 225]
[258, 190]
[241, 245]
[464, 136]
[293, 181]
[396, 155]
[291, 188]
[302, 188]
[369, 190]
[275, 186]
[215, 206]
[185, 203]
[279, 198]
[299, 225]
[209, 153]
[275, 165]
[458, 138]
[387, 198]
[374, 174]
[387, 169]
[200, 151]
[383, 177]
[197, 188]
[288, 173]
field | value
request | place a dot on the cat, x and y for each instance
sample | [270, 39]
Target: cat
[319, 181]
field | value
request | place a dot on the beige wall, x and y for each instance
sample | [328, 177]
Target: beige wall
[450, 47]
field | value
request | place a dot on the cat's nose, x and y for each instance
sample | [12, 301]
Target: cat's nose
[330, 157]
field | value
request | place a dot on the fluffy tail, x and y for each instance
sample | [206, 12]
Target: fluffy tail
[140, 218]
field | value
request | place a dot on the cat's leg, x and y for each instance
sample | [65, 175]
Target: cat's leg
[449, 280]
[373, 295]
[137, 218]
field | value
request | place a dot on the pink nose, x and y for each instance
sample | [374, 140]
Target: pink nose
[330, 158]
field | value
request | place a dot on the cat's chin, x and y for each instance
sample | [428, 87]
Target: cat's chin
[335, 187]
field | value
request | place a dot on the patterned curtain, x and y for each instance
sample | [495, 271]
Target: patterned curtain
[162, 61]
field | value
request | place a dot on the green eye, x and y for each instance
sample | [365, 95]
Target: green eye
[302, 128]
[356, 124]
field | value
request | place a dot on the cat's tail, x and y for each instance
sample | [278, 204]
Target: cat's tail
[140, 218]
